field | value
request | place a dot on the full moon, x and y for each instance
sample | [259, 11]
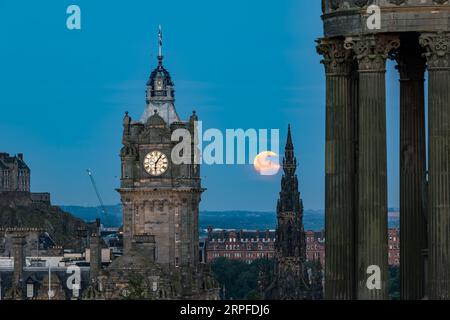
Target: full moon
[267, 163]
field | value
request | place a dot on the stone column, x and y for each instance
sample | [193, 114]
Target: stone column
[339, 171]
[413, 225]
[437, 47]
[371, 217]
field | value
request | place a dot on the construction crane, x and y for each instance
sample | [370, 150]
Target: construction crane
[94, 185]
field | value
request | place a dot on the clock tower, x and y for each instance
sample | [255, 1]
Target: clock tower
[160, 199]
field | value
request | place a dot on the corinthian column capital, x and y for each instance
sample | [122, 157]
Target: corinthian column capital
[410, 61]
[437, 46]
[336, 58]
[372, 51]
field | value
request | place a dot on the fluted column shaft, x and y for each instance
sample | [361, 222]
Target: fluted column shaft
[339, 180]
[437, 47]
[413, 225]
[372, 241]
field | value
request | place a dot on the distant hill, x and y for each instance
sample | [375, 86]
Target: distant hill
[112, 218]
[234, 219]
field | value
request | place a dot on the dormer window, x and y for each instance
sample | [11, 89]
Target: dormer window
[30, 288]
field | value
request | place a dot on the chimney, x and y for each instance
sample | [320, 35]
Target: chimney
[210, 230]
[18, 241]
[95, 255]
[95, 250]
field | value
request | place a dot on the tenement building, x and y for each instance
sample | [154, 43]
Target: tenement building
[315, 246]
[416, 35]
[251, 245]
[245, 245]
[394, 247]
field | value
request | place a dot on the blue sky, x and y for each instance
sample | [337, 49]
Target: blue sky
[238, 63]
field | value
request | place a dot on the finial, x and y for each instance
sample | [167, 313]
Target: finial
[156, 111]
[193, 116]
[160, 43]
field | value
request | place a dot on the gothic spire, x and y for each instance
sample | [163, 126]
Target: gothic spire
[289, 144]
[289, 161]
[291, 280]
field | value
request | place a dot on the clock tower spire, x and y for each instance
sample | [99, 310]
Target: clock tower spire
[160, 91]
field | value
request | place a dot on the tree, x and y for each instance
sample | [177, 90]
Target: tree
[394, 283]
[242, 281]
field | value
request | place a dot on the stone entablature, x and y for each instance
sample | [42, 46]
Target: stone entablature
[347, 18]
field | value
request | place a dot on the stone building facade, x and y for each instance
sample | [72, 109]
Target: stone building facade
[416, 35]
[242, 245]
[248, 246]
[315, 246]
[32, 279]
[14, 173]
[15, 179]
[161, 199]
[163, 204]
[394, 247]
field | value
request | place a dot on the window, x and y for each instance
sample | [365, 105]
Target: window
[30, 290]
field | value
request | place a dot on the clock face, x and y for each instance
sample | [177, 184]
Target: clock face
[156, 163]
[159, 84]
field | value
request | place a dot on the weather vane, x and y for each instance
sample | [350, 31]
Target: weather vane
[160, 40]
